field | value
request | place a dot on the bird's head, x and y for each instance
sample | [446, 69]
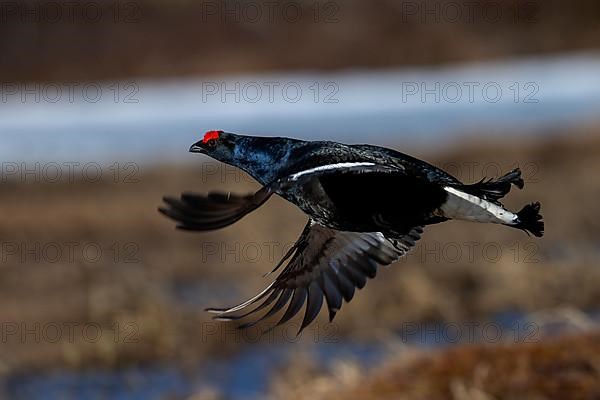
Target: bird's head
[261, 157]
[216, 144]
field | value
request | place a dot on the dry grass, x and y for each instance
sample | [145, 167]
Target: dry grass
[565, 368]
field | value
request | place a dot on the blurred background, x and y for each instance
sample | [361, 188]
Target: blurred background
[100, 297]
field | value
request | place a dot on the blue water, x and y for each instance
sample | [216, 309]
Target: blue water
[133, 383]
[377, 106]
[246, 374]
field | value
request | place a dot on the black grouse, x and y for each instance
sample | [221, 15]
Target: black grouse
[367, 206]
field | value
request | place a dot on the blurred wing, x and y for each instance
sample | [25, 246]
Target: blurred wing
[324, 263]
[197, 212]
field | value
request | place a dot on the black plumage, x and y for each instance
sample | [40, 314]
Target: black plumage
[367, 207]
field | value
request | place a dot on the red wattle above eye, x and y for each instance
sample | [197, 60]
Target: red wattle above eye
[210, 135]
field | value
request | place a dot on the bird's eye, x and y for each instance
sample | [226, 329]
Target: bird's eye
[212, 143]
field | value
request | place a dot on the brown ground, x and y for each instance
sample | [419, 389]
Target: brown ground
[157, 284]
[90, 40]
[565, 368]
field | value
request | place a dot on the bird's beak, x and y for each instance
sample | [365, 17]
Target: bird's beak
[197, 148]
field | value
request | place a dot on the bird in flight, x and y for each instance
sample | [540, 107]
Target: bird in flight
[367, 206]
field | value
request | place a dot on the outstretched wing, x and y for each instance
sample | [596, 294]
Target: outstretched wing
[198, 212]
[324, 264]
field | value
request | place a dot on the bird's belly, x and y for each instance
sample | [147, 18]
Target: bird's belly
[357, 211]
[314, 201]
